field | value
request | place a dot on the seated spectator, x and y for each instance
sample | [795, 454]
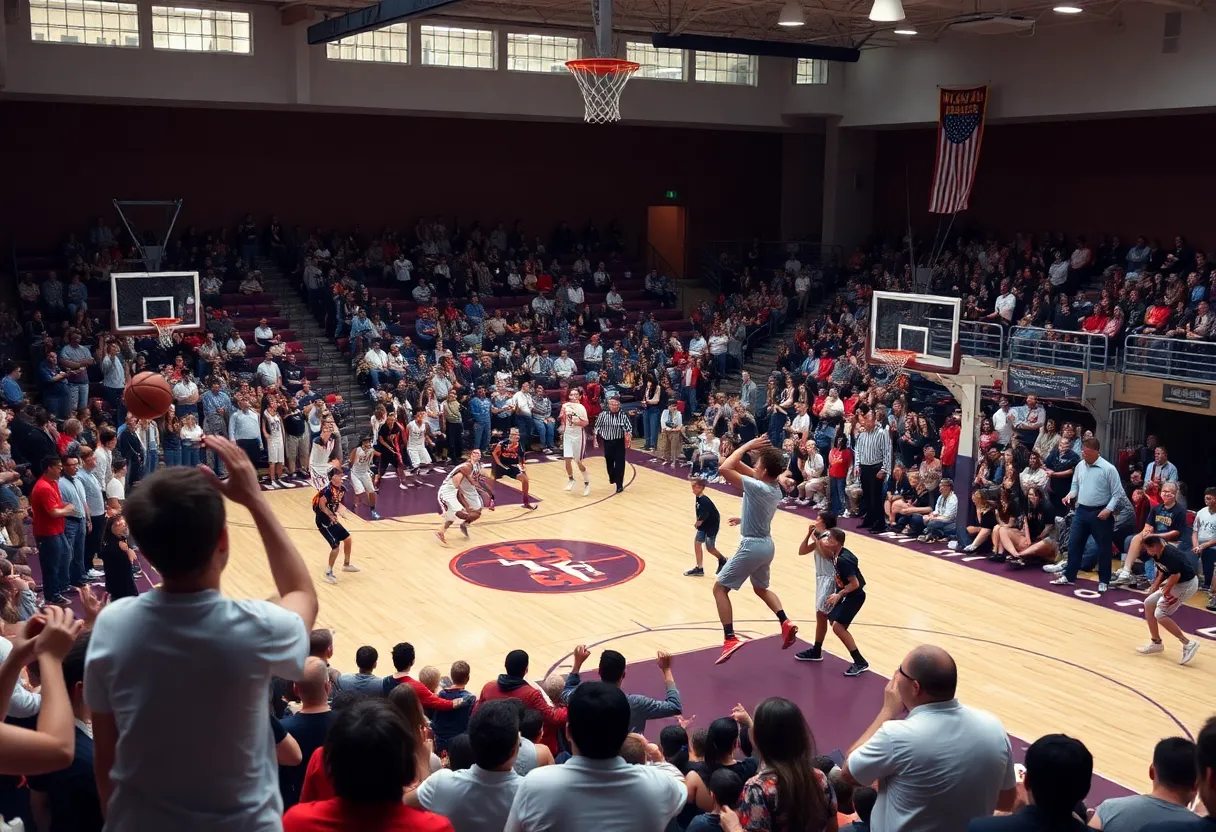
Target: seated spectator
[726, 789]
[1205, 758]
[252, 284]
[143, 778]
[595, 788]
[941, 523]
[1174, 775]
[368, 756]
[1058, 773]
[403, 660]
[514, 685]
[864, 798]
[722, 740]
[478, 799]
[364, 681]
[263, 334]
[612, 670]
[943, 764]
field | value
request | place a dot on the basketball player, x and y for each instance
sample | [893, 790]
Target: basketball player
[388, 450]
[509, 462]
[460, 495]
[825, 582]
[323, 452]
[847, 597]
[762, 487]
[574, 419]
[326, 504]
[361, 459]
[419, 436]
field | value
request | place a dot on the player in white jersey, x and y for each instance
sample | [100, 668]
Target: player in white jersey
[825, 582]
[322, 452]
[573, 419]
[418, 436]
[361, 459]
[460, 496]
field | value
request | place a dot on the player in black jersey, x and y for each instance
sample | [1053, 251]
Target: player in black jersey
[509, 462]
[388, 448]
[326, 504]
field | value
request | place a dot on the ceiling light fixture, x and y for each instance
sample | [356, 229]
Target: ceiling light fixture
[792, 15]
[886, 11]
[1067, 8]
[905, 30]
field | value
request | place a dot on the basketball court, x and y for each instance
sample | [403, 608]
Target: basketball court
[606, 570]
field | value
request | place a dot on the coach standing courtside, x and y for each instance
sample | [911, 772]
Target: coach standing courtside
[1096, 491]
[873, 449]
[616, 429]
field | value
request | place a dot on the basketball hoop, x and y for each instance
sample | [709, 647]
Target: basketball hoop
[164, 329]
[895, 360]
[601, 81]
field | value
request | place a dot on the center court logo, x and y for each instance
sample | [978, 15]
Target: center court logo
[547, 566]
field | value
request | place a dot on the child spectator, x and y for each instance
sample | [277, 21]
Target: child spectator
[840, 463]
[118, 557]
[116, 488]
[726, 788]
[707, 524]
[446, 725]
[864, 798]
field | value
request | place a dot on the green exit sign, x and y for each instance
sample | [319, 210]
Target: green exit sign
[672, 195]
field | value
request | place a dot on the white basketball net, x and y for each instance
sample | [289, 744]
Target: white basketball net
[164, 330]
[601, 81]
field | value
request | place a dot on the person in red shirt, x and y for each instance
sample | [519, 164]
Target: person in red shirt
[403, 660]
[49, 511]
[369, 758]
[950, 436]
[514, 685]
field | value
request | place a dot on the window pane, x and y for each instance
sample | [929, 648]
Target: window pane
[194, 30]
[664, 64]
[389, 45]
[812, 71]
[448, 46]
[725, 68]
[541, 53]
[96, 22]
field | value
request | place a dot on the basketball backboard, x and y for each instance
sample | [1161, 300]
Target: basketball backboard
[926, 325]
[137, 297]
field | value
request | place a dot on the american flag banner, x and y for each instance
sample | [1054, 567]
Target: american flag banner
[960, 129]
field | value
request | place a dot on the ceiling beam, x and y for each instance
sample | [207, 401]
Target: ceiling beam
[770, 48]
[382, 14]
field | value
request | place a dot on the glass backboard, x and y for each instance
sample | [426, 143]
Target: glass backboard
[924, 324]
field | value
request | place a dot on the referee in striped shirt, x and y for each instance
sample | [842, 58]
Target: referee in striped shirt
[616, 429]
[872, 449]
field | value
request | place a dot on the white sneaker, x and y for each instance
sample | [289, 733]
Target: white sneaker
[587, 489]
[350, 567]
[330, 576]
[1102, 587]
[94, 574]
[1154, 647]
[953, 544]
[1054, 568]
[1188, 652]
[403, 486]
[570, 485]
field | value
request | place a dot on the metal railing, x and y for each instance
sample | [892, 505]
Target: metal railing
[1059, 348]
[979, 339]
[1173, 358]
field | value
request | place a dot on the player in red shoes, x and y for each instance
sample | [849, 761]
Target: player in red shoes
[763, 486]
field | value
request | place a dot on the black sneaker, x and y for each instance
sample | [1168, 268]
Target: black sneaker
[810, 654]
[696, 570]
[857, 668]
[721, 563]
[619, 489]
[997, 557]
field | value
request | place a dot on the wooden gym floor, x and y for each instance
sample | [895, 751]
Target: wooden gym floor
[1041, 660]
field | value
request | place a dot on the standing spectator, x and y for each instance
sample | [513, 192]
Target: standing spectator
[67, 799]
[641, 708]
[185, 396]
[131, 448]
[1205, 758]
[873, 463]
[217, 409]
[55, 391]
[1058, 774]
[478, 799]
[268, 373]
[95, 504]
[245, 429]
[369, 758]
[1174, 774]
[365, 681]
[1203, 541]
[595, 788]
[943, 764]
[671, 434]
[50, 515]
[1096, 491]
[1028, 420]
[197, 636]
[308, 726]
[76, 359]
[76, 524]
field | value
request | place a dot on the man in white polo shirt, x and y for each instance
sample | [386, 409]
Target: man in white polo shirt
[596, 789]
[942, 765]
[593, 354]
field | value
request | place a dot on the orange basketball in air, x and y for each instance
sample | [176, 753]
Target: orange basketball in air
[148, 396]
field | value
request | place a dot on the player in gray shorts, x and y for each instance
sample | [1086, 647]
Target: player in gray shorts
[763, 486]
[825, 582]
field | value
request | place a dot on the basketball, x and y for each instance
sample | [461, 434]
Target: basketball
[148, 395]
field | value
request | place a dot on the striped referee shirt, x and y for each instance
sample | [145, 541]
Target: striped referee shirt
[611, 425]
[873, 447]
